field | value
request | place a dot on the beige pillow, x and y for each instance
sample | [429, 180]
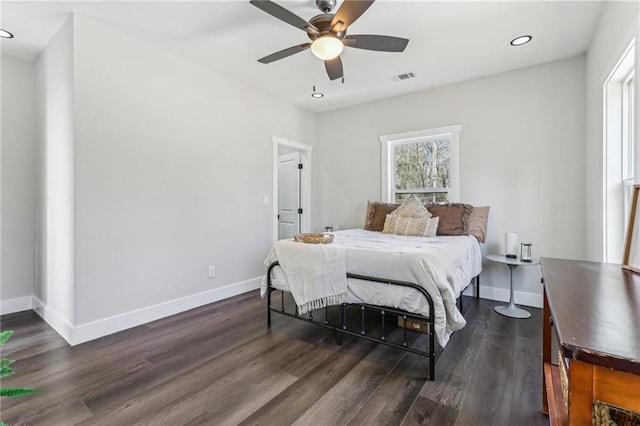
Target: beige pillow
[412, 208]
[478, 223]
[454, 218]
[421, 226]
[376, 214]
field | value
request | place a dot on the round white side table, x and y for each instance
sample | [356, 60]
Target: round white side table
[511, 310]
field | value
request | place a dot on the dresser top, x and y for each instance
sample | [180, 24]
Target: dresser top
[596, 311]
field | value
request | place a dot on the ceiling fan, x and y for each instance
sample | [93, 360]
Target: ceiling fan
[328, 33]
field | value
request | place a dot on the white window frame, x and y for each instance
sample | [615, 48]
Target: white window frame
[628, 144]
[387, 143]
[627, 126]
[618, 154]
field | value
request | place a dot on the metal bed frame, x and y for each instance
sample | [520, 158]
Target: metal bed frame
[342, 328]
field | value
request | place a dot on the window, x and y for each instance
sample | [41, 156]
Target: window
[627, 119]
[619, 154]
[423, 163]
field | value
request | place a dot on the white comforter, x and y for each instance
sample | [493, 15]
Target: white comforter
[441, 265]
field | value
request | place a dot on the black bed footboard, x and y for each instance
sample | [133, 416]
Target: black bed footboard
[342, 326]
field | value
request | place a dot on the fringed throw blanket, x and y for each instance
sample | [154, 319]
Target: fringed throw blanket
[316, 273]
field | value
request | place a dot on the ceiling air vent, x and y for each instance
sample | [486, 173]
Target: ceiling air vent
[405, 76]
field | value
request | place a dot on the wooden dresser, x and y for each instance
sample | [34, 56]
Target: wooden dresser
[595, 310]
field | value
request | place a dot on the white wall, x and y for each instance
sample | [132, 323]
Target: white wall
[172, 162]
[18, 184]
[617, 27]
[54, 132]
[521, 153]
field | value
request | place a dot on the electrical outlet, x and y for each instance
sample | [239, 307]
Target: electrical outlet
[212, 271]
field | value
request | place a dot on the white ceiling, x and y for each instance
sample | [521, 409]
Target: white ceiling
[449, 41]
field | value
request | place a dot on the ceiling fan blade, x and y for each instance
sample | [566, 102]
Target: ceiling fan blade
[284, 53]
[376, 42]
[334, 68]
[349, 11]
[285, 15]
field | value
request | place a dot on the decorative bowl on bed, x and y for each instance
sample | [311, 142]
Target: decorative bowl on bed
[313, 238]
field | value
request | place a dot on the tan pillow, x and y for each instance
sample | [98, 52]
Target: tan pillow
[420, 226]
[478, 222]
[376, 214]
[454, 218]
[412, 208]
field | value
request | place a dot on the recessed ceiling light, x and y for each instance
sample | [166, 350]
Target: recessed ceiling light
[316, 94]
[519, 41]
[5, 34]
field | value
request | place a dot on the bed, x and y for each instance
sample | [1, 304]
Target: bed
[416, 278]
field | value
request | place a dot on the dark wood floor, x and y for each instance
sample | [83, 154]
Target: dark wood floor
[219, 364]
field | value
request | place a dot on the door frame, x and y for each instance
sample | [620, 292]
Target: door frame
[305, 223]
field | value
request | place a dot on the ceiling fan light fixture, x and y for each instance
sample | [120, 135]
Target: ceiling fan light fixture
[327, 47]
[519, 41]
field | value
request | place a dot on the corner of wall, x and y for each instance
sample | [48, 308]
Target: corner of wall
[54, 183]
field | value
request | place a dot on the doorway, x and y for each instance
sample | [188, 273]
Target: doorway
[290, 168]
[291, 188]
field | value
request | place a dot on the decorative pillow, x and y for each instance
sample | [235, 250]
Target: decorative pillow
[421, 226]
[412, 208]
[478, 222]
[376, 214]
[454, 218]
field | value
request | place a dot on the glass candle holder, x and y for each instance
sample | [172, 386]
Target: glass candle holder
[525, 252]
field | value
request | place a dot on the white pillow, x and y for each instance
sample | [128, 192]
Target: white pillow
[423, 226]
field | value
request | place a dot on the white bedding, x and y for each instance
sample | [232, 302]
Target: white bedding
[442, 265]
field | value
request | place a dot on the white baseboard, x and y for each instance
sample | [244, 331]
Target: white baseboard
[18, 304]
[54, 319]
[502, 295]
[96, 329]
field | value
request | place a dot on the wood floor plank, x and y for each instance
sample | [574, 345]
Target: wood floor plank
[345, 398]
[528, 382]
[297, 398]
[530, 327]
[390, 402]
[229, 400]
[68, 413]
[458, 358]
[36, 337]
[175, 388]
[427, 412]
[72, 386]
[489, 396]
[265, 346]
[239, 305]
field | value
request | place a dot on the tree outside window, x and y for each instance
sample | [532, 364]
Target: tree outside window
[422, 169]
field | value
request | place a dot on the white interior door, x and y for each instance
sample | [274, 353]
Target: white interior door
[289, 195]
